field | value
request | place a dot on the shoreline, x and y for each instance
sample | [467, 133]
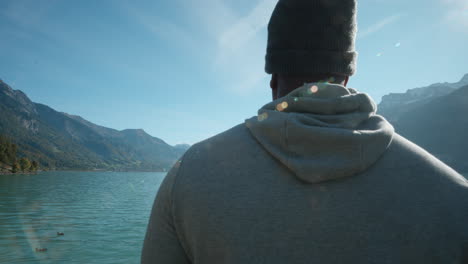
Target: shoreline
[18, 173]
[34, 173]
[78, 170]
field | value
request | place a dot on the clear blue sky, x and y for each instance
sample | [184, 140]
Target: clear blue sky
[184, 70]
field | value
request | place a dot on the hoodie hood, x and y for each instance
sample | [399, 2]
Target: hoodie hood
[322, 131]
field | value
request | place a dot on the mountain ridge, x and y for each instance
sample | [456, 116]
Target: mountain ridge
[63, 141]
[393, 105]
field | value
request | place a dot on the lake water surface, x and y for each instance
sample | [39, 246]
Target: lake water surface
[103, 216]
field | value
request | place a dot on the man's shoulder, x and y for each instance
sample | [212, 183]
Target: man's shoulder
[232, 142]
[403, 154]
[213, 162]
[233, 135]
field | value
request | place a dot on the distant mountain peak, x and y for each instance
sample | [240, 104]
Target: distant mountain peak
[16, 98]
[182, 147]
[394, 105]
[5, 88]
[464, 79]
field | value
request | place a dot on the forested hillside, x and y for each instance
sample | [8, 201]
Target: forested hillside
[9, 162]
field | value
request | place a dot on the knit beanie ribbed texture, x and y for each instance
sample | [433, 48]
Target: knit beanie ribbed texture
[312, 36]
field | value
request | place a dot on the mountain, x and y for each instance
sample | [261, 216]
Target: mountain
[182, 147]
[434, 118]
[62, 141]
[395, 105]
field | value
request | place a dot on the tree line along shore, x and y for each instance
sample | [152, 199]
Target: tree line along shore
[10, 163]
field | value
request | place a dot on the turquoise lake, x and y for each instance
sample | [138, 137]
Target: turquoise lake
[103, 216]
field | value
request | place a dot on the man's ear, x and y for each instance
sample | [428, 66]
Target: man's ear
[346, 80]
[274, 85]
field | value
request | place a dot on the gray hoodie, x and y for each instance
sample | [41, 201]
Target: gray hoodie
[316, 177]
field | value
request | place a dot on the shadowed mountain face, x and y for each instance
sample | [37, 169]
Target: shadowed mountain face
[437, 121]
[62, 141]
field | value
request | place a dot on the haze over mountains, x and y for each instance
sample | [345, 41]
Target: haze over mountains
[434, 117]
[62, 141]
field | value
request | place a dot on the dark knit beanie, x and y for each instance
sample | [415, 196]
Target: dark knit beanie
[312, 36]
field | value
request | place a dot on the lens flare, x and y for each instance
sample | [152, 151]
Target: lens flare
[262, 117]
[281, 106]
[314, 89]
